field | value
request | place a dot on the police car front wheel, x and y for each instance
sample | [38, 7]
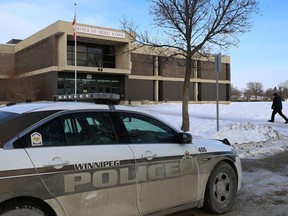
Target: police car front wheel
[221, 189]
[22, 208]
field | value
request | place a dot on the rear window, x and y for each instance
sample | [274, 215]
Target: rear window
[11, 124]
[4, 116]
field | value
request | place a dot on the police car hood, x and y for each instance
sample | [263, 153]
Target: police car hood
[211, 145]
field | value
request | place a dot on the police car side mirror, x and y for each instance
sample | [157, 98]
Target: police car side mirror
[185, 137]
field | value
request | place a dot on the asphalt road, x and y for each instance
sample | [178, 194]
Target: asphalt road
[264, 189]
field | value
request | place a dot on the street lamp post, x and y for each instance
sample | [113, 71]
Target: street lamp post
[217, 65]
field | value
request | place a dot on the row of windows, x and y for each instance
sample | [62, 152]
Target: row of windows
[91, 55]
[96, 128]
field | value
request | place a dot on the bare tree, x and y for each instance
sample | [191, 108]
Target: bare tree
[283, 88]
[255, 88]
[192, 28]
[269, 93]
[235, 93]
[247, 94]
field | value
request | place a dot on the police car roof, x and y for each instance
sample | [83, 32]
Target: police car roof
[46, 106]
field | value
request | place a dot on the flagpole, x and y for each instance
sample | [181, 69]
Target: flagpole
[75, 46]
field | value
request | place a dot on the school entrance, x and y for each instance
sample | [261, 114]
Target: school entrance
[88, 83]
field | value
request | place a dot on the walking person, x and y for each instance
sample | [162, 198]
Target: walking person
[277, 108]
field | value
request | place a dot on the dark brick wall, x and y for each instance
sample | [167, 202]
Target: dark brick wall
[2, 90]
[173, 91]
[206, 71]
[167, 67]
[7, 64]
[46, 85]
[175, 67]
[37, 56]
[207, 92]
[142, 64]
[39, 87]
[172, 67]
[138, 90]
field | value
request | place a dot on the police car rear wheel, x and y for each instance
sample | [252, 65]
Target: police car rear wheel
[221, 189]
[22, 208]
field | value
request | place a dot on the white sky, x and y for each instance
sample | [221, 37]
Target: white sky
[261, 55]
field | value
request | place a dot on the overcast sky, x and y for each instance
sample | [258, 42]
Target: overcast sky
[262, 54]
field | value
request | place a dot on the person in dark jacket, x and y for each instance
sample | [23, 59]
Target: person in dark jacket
[277, 108]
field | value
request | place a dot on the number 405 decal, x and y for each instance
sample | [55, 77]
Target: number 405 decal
[202, 149]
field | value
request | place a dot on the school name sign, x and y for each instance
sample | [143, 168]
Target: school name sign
[100, 32]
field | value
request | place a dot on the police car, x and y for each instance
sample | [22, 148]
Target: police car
[71, 159]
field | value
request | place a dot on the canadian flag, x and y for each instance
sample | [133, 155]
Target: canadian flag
[74, 27]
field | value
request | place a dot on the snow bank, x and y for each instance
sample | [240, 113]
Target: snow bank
[253, 141]
[246, 132]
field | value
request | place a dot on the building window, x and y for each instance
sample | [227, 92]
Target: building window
[91, 55]
[95, 57]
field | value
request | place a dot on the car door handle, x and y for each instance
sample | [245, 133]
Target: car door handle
[148, 155]
[56, 162]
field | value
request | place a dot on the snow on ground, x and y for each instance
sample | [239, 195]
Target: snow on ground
[244, 124]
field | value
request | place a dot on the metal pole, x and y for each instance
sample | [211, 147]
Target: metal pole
[75, 50]
[217, 64]
[217, 98]
[75, 74]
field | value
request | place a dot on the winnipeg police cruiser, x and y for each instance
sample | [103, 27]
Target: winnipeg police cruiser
[72, 158]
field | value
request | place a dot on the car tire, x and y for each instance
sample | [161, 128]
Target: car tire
[221, 189]
[22, 208]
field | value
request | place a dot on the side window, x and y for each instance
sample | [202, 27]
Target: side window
[89, 129]
[143, 129]
[71, 129]
[48, 134]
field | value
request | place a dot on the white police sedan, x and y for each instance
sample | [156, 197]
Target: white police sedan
[72, 159]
